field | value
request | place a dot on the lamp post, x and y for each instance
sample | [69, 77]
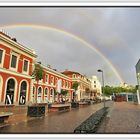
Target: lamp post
[102, 85]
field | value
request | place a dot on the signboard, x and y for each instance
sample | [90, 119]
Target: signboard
[58, 86]
[22, 99]
[9, 99]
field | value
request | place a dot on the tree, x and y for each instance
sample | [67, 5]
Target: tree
[64, 93]
[55, 93]
[37, 75]
[109, 90]
[75, 87]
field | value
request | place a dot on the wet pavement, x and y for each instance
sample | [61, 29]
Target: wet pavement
[56, 123]
[124, 117]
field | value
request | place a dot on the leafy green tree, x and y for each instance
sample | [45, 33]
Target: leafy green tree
[37, 75]
[109, 90]
[75, 87]
[64, 93]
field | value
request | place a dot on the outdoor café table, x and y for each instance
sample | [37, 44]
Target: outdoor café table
[60, 107]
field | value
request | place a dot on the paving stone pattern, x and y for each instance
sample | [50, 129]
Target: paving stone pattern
[124, 117]
[55, 122]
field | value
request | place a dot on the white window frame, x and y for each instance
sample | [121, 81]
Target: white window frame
[52, 93]
[26, 72]
[17, 55]
[41, 81]
[69, 84]
[47, 80]
[74, 76]
[3, 56]
[52, 83]
[38, 95]
[47, 91]
[64, 83]
[56, 80]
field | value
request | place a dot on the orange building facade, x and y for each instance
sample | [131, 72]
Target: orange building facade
[47, 88]
[16, 65]
[17, 86]
[84, 88]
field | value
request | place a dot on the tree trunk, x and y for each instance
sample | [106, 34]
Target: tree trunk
[36, 92]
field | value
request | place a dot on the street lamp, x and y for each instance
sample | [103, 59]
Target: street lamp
[102, 85]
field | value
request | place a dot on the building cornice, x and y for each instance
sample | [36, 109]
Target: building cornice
[17, 45]
[56, 73]
[81, 80]
[15, 73]
[49, 85]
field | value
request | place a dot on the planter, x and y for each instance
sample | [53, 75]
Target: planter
[36, 111]
[74, 104]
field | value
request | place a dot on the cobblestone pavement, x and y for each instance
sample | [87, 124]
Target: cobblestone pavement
[64, 122]
[124, 117]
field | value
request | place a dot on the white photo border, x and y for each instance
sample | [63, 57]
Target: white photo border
[67, 3]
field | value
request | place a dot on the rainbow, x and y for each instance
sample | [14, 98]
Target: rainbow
[118, 75]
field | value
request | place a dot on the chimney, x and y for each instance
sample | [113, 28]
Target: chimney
[14, 39]
[39, 62]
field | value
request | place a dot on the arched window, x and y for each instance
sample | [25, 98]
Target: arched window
[46, 92]
[51, 92]
[10, 91]
[23, 91]
[46, 95]
[39, 95]
[34, 93]
[39, 91]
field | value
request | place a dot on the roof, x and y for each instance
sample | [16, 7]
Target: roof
[14, 42]
[70, 72]
[55, 72]
[5, 35]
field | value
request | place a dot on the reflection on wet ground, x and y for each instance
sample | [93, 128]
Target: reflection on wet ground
[64, 122]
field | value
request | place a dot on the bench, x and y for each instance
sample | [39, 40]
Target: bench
[60, 107]
[91, 124]
[4, 116]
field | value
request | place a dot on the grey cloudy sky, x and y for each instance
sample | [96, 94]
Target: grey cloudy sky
[115, 32]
